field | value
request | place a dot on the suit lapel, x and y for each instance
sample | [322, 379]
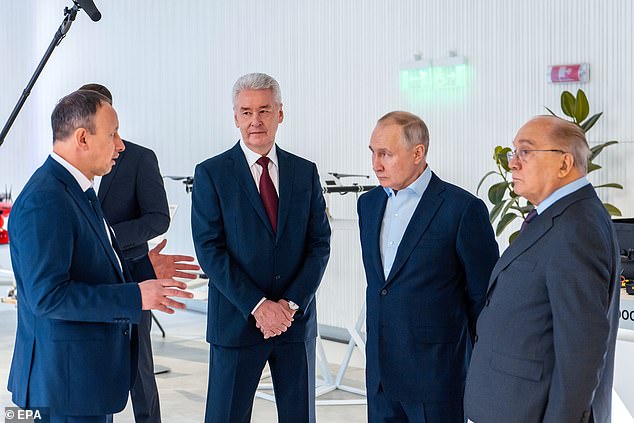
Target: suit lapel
[537, 229]
[418, 224]
[80, 198]
[245, 180]
[286, 178]
[373, 228]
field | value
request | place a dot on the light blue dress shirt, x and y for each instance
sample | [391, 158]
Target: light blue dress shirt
[398, 212]
[561, 193]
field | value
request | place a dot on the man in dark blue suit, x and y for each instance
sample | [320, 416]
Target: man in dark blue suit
[134, 203]
[265, 256]
[428, 250]
[75, 348]
[546, 338]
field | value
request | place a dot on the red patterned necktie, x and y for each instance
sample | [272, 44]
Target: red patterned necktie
[268, 193]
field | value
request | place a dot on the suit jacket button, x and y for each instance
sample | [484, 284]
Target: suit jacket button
[277, 277]
[126, 332]
[384, 292]
[487, 303]
[475, 339]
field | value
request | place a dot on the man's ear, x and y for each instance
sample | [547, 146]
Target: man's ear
[281, 116]
[567, 165]
[419, 153]
[79, 138]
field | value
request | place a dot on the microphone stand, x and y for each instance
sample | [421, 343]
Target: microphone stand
[69, 17]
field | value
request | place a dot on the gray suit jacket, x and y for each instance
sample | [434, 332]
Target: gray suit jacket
[546, 336]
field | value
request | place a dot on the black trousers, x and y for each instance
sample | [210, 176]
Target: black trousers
[144, 393]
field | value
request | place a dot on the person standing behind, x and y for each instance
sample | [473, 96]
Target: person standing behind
[428, 249]
[545, 351]
[265, 256]
[134, 203]
[75, 346]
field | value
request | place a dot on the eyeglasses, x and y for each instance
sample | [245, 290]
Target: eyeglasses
[522, 154]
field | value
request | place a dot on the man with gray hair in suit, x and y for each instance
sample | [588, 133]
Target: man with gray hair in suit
[546, 336]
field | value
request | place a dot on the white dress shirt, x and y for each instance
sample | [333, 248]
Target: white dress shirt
[256, 171]
[84, 184]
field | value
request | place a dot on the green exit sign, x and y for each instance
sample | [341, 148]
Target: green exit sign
[435, 77]
[449, 76]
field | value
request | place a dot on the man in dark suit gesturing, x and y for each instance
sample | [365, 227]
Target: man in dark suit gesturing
[265, 255]
[428, 250]
[545, 351]
[75, 352]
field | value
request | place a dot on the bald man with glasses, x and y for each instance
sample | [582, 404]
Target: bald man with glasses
[546, 336]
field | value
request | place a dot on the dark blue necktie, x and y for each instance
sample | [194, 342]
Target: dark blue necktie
[96, 206]
[94, 202]
[529, 217]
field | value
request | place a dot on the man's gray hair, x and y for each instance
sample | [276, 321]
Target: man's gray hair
[571, 138]
[257, 81]
[415, 131]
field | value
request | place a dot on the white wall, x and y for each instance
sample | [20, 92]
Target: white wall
[171, 65]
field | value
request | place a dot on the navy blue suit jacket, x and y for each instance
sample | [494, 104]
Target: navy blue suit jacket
[74, 351]
[244, 259]
[420, 321]
[136, 207]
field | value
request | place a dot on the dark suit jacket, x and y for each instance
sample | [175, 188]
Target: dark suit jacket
[133, 199]
[245, 261]
[73, 349]
[418, 320]
[545, 350]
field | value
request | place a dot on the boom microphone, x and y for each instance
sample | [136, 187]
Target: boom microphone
[90, 8]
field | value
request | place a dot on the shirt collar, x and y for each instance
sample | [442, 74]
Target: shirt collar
[418, 187]
[253, 157]
[562, 192]
[81, 179]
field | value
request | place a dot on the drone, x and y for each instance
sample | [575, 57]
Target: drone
[187, 180]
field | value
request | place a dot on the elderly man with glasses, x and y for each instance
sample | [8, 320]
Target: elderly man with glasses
[546, 336]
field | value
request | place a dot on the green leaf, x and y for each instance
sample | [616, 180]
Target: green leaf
[551, 112]
[582, 108]
[496, 192]
[513, 236]
[501, 159]
[495, 211]
[592, 167]
[486, 175]
[597, 149]
[612, 209]
[610, 185]
[585, 126]
[568, 103]
[504, 222]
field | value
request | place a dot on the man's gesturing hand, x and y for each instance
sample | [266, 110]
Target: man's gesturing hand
[155, 293]
[171, 265]
[272, 318]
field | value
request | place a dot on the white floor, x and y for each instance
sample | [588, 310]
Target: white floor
[185, 352]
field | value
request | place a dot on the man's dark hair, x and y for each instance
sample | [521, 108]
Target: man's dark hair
[76, 110]
[99, 88]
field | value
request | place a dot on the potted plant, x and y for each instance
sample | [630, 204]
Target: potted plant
[507, 205]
